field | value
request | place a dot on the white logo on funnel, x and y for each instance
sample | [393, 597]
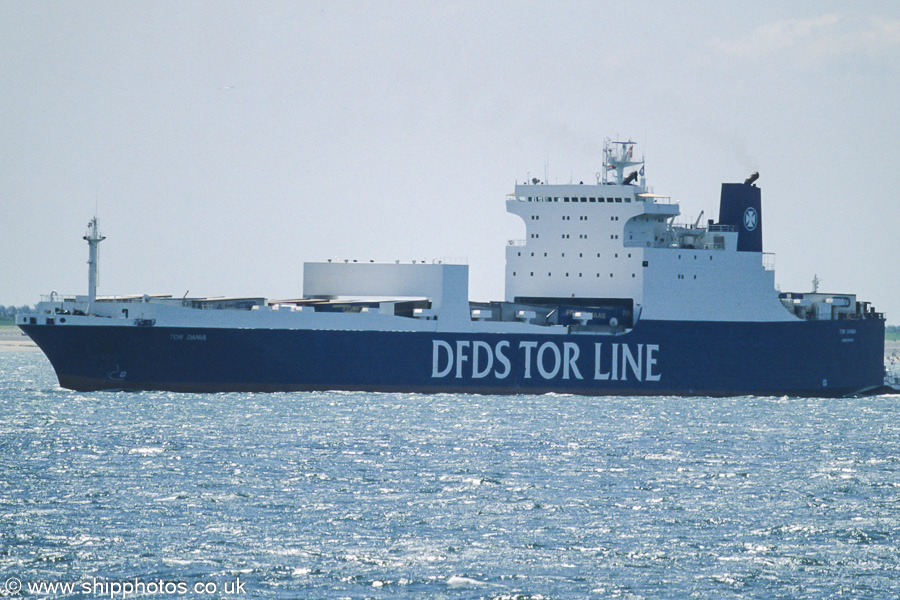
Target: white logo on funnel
[750, 219]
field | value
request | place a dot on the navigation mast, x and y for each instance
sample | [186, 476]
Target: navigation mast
[93, 238]
[618, 157]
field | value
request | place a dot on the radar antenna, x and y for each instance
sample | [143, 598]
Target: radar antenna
[618, 156]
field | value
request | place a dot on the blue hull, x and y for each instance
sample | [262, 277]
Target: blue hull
[808, 358]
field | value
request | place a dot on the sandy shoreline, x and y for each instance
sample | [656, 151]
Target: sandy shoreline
[12, 339]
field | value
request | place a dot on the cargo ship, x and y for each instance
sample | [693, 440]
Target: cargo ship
[608, 294]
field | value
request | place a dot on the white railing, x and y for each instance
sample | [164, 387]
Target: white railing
[55, 297]
[451, 260]
[768, 261]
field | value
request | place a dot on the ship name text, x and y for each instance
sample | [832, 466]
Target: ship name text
[477, 359]
[196, 337]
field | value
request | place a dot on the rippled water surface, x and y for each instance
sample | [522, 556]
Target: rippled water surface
[346, 495]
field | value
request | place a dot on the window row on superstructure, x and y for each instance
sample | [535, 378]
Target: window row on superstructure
[633, 275]
[572, 199]
[580, 254]
[569, 218]
[550, 274]
[568, 236]
[695, 257]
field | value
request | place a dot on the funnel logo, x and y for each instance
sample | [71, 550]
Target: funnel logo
[751, 218]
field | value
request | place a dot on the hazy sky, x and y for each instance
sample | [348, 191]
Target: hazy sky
[222, 144]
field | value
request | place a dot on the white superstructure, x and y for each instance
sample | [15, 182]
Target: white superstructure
[618, 241]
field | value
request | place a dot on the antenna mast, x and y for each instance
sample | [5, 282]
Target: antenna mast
[93, 238]
[618, 157]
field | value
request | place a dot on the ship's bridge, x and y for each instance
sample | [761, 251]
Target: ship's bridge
[576, 233]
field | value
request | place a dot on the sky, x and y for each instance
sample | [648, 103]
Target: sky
[222, 144]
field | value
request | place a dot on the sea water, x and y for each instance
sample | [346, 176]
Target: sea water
[351, 495]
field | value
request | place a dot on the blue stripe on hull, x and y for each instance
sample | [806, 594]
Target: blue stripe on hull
[811, 358]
